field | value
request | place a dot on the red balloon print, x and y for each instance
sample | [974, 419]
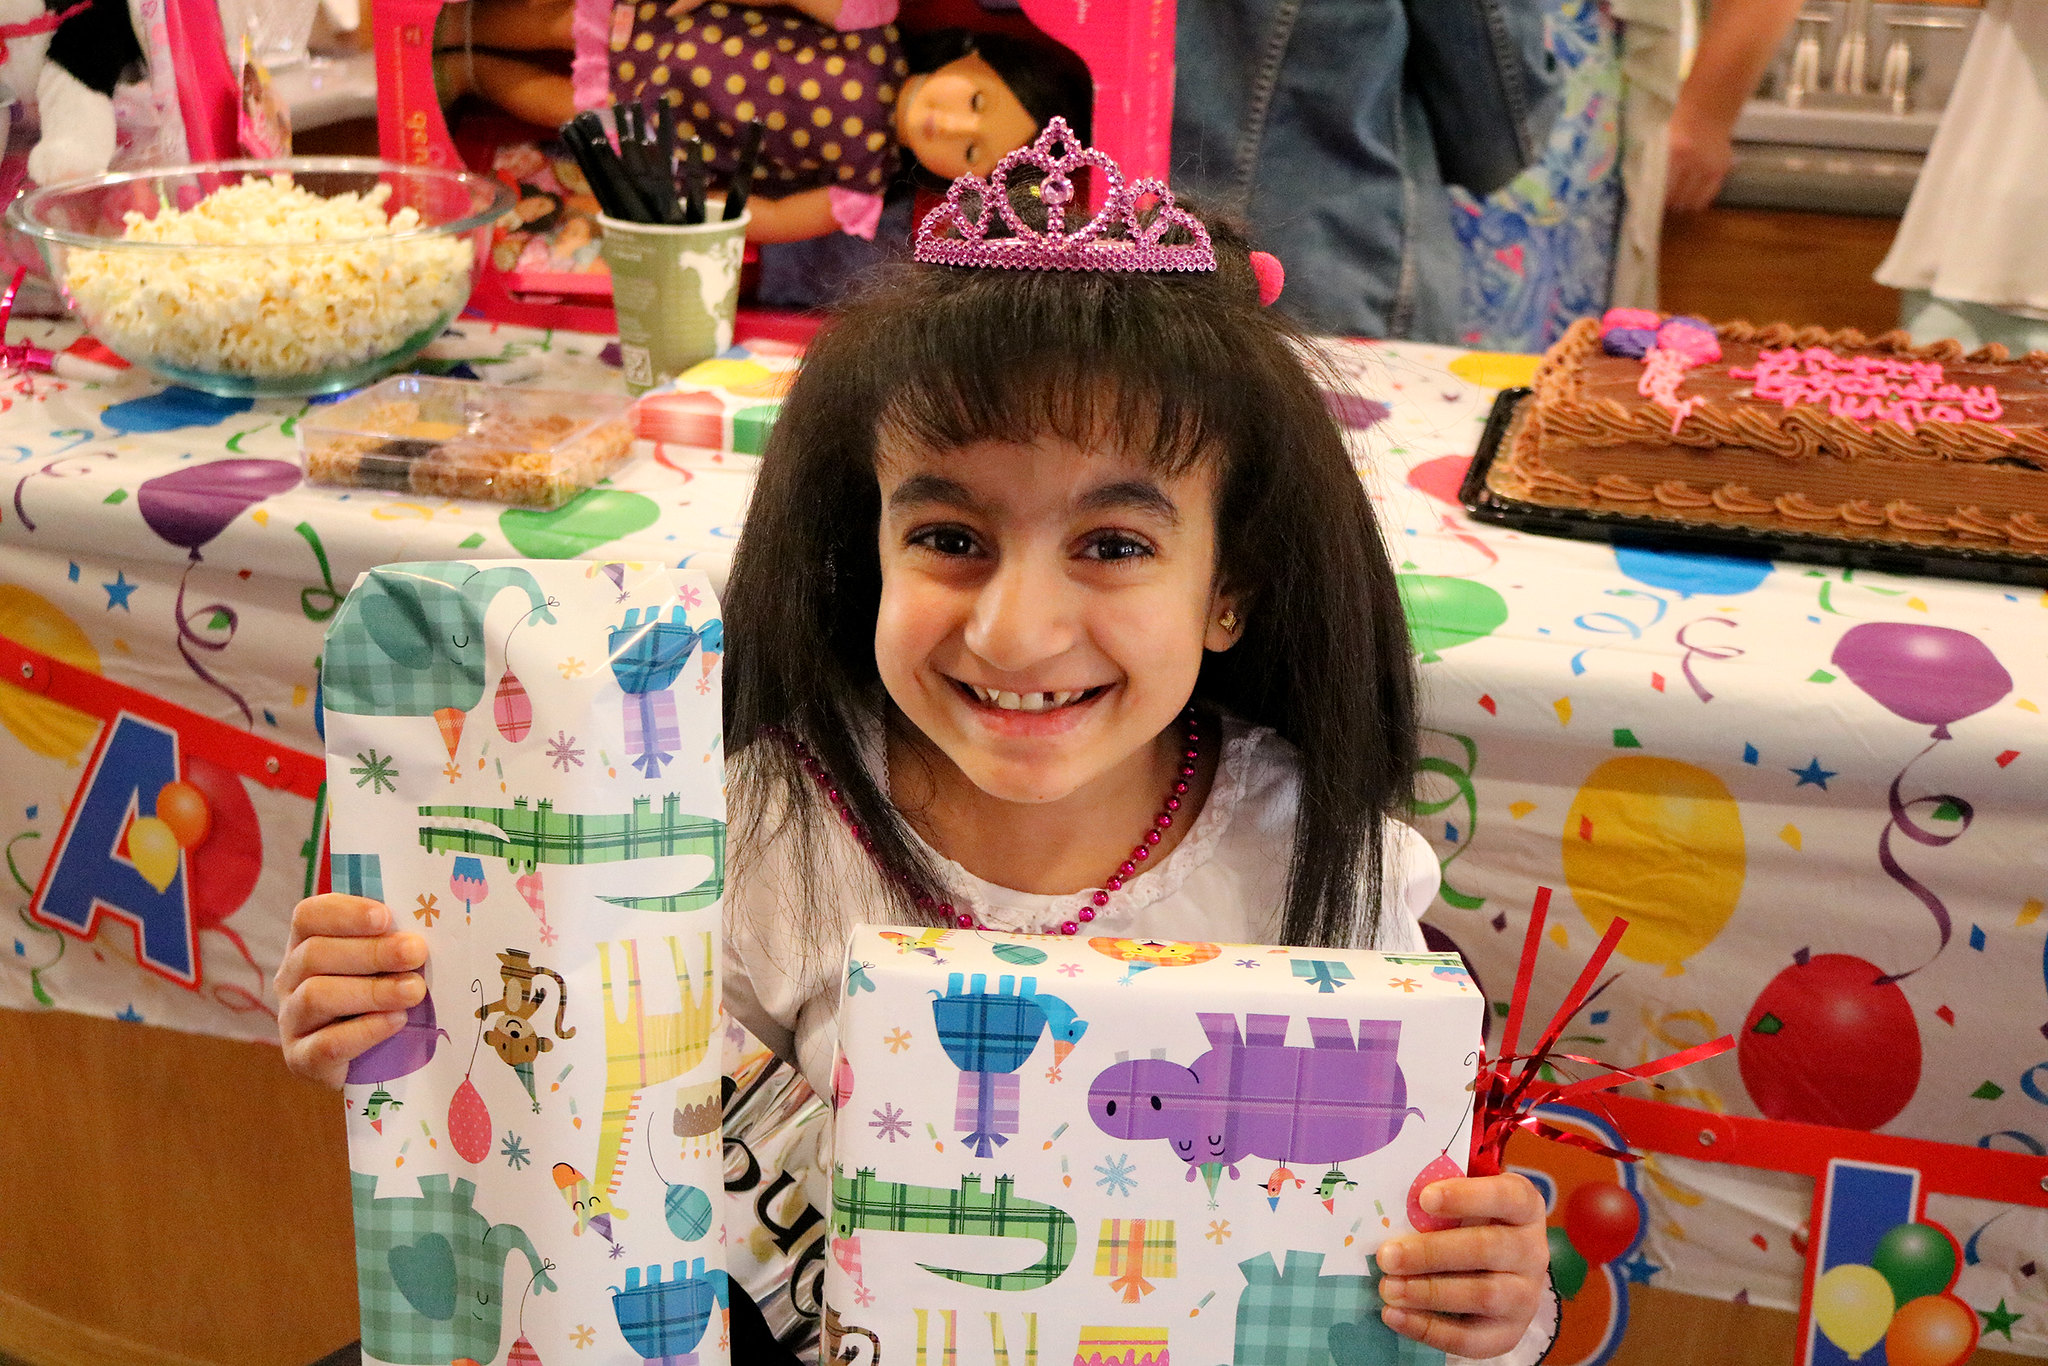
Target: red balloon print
[1441, 1168]
[469, 1123]
[512, 709]
[221, 871]
[1442, 477]
[1829, 1041]
[1602, 1220]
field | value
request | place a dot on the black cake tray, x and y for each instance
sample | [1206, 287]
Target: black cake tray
[1651, 533]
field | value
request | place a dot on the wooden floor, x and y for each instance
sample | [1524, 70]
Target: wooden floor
[194, 1211]
[1767, 266]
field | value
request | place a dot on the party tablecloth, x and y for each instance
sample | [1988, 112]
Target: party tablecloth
[1816, 794]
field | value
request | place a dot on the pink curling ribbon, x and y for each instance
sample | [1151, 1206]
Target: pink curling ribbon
[1903, 822]
[1511, 1086]
[1704, 652]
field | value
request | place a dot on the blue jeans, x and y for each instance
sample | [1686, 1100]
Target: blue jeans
[1318, 123]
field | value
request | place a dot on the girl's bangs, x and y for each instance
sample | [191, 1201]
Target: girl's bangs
[1123, 374]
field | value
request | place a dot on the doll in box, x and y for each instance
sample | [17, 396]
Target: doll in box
[846, 101]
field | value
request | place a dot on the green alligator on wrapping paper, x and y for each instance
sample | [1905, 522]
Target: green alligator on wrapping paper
[862, 1202]
[430, 1271]
[527, 835]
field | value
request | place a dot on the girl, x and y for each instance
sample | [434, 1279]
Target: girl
[1059, 604]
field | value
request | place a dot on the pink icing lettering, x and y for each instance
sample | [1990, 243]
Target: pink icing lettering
[1864, 388]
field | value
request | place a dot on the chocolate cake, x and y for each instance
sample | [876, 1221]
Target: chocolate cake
[1786, 429]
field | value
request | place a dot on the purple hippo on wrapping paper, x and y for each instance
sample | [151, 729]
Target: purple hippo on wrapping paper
[1256, 1095]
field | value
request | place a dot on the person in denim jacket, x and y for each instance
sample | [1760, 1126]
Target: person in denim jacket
[1333, 126]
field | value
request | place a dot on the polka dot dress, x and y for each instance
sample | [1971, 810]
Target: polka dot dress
[826, 98]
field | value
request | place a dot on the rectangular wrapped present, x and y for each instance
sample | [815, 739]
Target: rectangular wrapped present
[524, 763]
[1114, 1150]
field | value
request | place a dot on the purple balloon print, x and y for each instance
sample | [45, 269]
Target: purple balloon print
[189, 507]
[1355, 411]
[1929, 674]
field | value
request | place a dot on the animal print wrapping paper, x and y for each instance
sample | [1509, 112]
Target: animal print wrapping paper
[1112, 1150]
[524, 763]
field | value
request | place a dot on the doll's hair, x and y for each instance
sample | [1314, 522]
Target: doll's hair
[1048, 80]
[1184, 370]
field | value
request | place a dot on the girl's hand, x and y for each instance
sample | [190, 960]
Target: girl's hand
[1469, 1291]
[345, 983]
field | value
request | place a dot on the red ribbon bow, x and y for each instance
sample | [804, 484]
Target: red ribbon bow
[1511, 1086]
[20, 355]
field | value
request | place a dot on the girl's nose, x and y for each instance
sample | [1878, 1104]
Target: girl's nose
[1021, 617]
[961, 123]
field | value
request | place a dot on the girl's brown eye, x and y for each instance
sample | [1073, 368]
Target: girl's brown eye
[944, 540]
[1112, 546]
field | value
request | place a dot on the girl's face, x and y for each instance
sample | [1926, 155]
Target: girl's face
[1044, 609]
[961, 118]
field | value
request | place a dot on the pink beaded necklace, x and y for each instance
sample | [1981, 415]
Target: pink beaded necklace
[1190, 755]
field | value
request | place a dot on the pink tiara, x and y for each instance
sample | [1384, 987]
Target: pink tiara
[971, 201]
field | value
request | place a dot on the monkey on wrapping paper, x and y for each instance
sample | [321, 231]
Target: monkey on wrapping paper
[515, 1037]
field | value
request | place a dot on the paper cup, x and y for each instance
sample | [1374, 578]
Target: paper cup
[675, 290]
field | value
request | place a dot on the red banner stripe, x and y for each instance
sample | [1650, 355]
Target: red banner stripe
[1781, 1145]
[253, 756]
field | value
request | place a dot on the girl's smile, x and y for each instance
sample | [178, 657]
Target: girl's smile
[1043, 616]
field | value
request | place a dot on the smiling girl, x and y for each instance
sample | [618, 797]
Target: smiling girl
[1059, 606]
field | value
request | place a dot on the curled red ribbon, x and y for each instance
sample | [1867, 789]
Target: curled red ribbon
[1511, 1086]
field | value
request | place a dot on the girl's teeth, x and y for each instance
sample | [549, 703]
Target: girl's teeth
[1030, 701]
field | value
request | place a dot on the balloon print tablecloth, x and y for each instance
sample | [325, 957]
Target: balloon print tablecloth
[1816, 795]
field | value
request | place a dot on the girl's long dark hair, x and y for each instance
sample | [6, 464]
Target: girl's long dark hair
[1185, 370]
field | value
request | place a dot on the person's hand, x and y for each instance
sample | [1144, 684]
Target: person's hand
[1470, 1291]
[345, 984]
[1702, 150]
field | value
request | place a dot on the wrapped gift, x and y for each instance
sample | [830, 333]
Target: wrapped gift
[524, 764]
[1114, 1150]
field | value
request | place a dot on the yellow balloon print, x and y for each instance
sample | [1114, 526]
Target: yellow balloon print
[747, 378]
[153, 849]
[1853, 1306]
[1658, 843]
[45, 726]
[1495, 369]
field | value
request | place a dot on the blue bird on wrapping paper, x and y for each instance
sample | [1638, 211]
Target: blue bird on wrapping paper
[646, 655]
[989, 1035]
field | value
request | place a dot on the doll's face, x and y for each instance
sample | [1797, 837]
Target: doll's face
[961, 118]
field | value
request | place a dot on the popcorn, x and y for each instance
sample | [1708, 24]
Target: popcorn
[340, 289]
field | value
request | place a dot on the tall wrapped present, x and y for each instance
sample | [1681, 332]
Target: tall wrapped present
[1114, 1150]
[524, 763]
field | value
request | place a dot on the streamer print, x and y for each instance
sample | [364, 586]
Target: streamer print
[1461, 779]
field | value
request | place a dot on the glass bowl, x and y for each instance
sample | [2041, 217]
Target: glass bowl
[261, 296]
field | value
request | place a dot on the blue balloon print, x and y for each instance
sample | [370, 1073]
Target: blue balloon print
[688, 1211]
[1714, 575]
[175, 407]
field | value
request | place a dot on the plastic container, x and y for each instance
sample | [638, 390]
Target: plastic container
[458, 438]
[267, 305]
